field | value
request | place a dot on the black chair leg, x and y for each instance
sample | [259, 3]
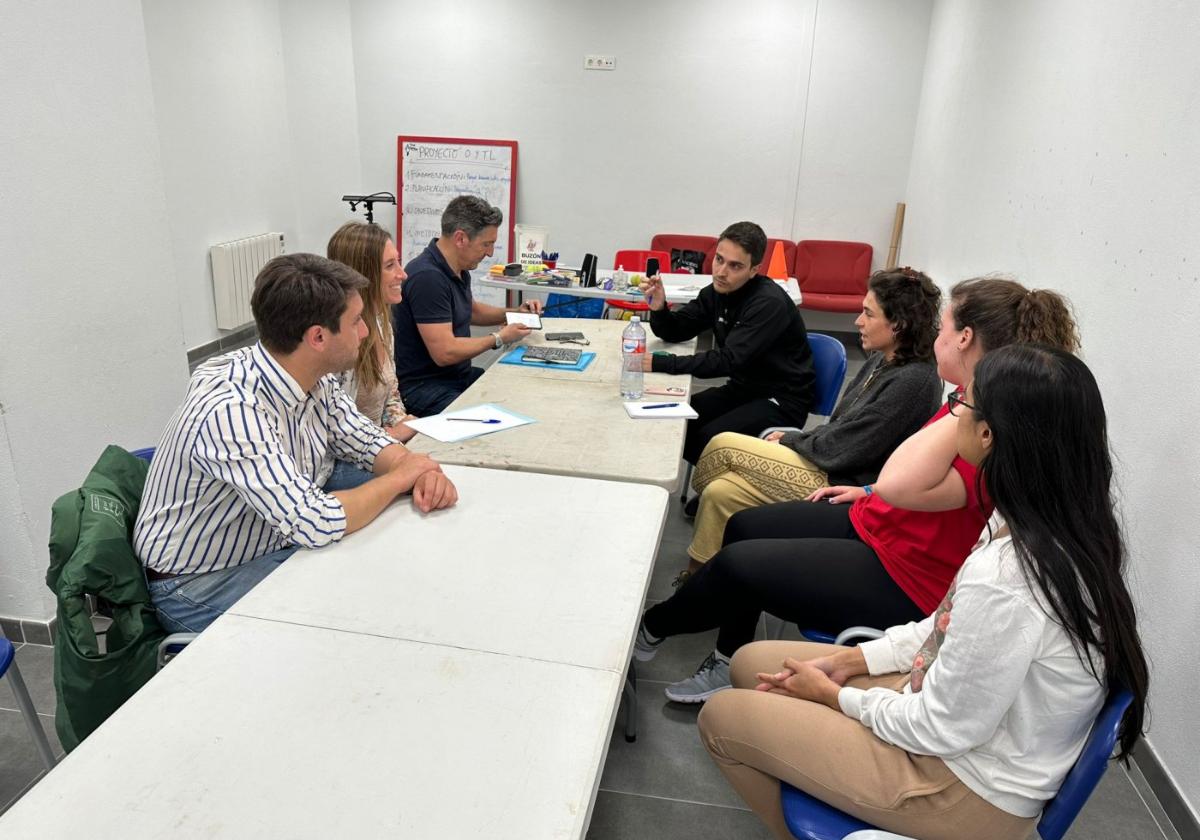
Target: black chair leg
[687, 480]
[630, 692]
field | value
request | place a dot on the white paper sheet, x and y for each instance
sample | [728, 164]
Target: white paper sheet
[442, 427]
[670, 409]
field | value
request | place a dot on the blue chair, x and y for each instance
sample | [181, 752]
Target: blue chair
[829, 364]
[559, 305]
[174, 643]
[843, 638]
[8, 665]
[809, 818]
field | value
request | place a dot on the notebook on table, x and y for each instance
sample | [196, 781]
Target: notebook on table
[553, 355]
[519, 356]
[666, 410]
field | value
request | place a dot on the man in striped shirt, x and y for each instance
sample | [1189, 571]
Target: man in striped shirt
[267, 454]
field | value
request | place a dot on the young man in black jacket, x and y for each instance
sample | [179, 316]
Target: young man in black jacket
[761, 345]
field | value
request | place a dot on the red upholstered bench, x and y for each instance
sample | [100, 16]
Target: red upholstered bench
[832, 275]
[668, 242]
[707, 245]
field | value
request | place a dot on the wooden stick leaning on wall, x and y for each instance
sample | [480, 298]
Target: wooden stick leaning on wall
[897, 230]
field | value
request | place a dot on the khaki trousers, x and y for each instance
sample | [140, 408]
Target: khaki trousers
[758, 738]
[736, 472]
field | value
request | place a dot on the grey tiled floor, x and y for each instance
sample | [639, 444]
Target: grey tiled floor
[20, 765]
[662, 786]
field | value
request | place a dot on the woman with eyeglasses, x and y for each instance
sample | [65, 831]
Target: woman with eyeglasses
[965, 723]
[369, 250]
[847, 556]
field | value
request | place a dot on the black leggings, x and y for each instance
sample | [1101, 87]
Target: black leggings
[800, 561]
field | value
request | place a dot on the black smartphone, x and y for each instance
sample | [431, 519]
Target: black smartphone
[651, 266]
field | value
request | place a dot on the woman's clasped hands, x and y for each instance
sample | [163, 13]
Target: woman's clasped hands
[818, 680]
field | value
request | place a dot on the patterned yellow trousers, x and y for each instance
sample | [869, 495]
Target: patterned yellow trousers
[736, 472]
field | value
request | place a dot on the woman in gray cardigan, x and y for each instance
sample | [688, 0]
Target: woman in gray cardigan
[894, 394]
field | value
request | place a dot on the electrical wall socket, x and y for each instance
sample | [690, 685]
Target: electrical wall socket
[599, 62]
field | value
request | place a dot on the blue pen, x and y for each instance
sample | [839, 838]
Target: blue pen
[659, 405]
[475, 419]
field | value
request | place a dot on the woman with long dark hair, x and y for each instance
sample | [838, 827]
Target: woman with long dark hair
[895, 392]
[965, 723]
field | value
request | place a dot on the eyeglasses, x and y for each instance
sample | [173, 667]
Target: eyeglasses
[956, 399]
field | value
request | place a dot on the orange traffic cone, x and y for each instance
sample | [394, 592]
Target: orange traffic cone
[777, 270]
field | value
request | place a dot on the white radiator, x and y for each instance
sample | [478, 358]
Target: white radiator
[234, 266]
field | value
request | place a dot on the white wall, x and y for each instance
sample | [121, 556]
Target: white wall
[255, 101]
[219, 96]
[868, 61]
[269, 110]
[1057, 141]
[322, 111]
[94, 352]
[702, 123]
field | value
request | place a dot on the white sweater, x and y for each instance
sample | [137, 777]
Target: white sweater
[1006, 704]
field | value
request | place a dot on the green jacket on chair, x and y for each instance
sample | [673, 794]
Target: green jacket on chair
[91, 553]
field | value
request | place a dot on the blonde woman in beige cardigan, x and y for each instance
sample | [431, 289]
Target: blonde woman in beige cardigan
[369, 250]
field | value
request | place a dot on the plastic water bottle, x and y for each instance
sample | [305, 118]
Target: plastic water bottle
[633, 350]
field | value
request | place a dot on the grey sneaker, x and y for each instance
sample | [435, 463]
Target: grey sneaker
[645, 646]
[712, 676]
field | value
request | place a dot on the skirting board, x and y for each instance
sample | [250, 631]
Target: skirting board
[1182, 817]
[28, 630]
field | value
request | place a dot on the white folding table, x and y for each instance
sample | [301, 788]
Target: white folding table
[455, 674]
[264, 729]
[539, 566]
[679, 288]
[582, 428]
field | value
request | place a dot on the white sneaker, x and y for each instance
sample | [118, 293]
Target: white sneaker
[645, 645]
[712, 676]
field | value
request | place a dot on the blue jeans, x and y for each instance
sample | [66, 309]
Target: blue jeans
[431, 396]
[189, 603]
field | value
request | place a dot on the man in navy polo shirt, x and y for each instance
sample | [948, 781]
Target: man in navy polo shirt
[434, 346]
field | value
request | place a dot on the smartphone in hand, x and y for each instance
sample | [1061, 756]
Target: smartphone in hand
[529, 319]
[652, 266]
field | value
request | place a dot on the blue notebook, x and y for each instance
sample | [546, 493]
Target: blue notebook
[517, 357]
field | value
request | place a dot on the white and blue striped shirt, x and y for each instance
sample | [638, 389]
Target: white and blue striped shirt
[239, 470]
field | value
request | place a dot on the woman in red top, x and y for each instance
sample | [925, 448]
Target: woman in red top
[845, 556]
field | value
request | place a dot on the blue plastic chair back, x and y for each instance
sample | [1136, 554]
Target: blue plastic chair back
[1062, 810]
[829, 363]
[6, 655]
[570, 306]
[819, 636]
[809, 818]
[145, 454]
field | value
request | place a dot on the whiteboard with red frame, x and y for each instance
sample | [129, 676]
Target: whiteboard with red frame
[430, 171]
